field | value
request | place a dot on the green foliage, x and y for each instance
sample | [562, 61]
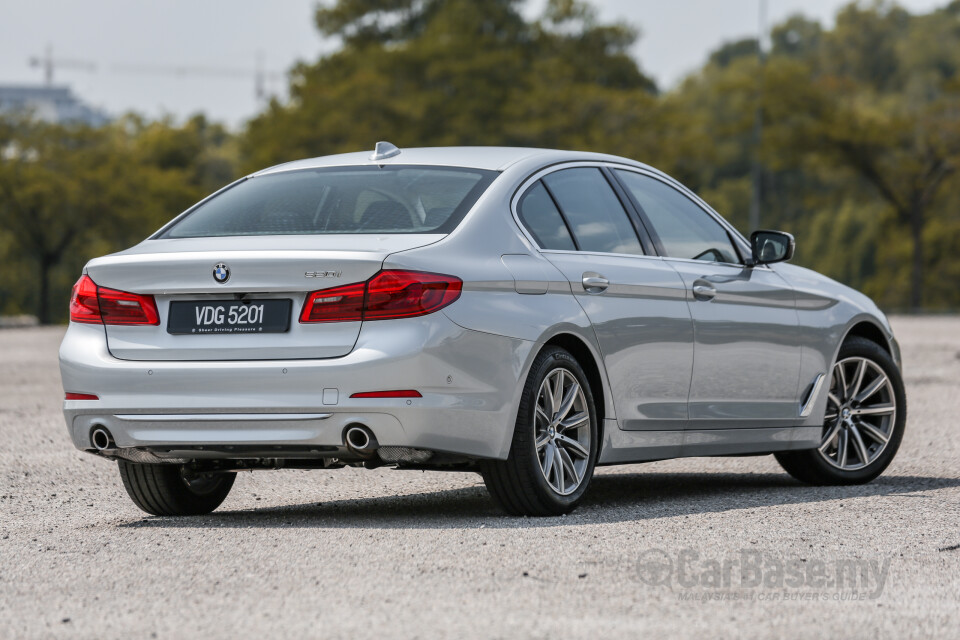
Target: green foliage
[861, 136]
[731, 51]
[860, 133]
[68, 194]
[456, 72]
[796, 37]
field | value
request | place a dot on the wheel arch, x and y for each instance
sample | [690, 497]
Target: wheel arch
[871, 331]
[867, 327]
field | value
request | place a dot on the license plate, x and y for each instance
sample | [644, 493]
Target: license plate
[229, 316]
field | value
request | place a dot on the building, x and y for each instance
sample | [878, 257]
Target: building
[50, 103]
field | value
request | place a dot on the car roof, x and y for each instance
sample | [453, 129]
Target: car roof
[490, 158]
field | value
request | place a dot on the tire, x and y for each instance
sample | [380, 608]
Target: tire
[820, 466]
[162, 489]
[520, 484]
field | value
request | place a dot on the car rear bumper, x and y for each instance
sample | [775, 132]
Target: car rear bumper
[469, 381]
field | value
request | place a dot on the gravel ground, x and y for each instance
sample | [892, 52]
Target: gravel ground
[696, 548]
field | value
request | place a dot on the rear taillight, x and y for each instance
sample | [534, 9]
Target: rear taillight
[404, 294]
[385, 296]
[83, 302]
[121, 307]
[93, 304]
[338, 304]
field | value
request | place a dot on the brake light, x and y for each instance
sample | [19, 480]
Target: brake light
[79, 396]
[99, 305]
[403, 393]
[385, 296]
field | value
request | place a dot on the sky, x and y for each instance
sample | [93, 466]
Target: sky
[178, 57]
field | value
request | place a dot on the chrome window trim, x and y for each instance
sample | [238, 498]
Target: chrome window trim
[651, 173]
[530, 180]
[737, 265]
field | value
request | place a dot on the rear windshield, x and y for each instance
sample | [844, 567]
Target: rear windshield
[365, 199]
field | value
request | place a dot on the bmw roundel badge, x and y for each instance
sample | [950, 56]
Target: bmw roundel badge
[221, 273]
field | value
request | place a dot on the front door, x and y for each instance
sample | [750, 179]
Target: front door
[746, 329]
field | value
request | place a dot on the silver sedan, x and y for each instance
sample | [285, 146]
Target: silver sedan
[527, 314]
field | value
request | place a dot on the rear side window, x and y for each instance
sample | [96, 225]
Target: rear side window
[591, 208]
[364, 199]
[542, 218]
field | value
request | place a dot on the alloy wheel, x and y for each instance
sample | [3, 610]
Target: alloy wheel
[562, 428]
[861, 413]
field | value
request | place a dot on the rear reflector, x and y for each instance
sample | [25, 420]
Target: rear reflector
[403, 393]
[387, 295]
[94, 304]
[80, 396]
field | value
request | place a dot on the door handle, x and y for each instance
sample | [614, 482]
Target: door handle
[704, 292]
[594, 282]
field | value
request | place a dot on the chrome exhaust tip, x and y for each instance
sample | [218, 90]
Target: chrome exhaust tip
[101, 439]
[359, 439]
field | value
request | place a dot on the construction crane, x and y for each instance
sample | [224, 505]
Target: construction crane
[48, 62]
[259, 74]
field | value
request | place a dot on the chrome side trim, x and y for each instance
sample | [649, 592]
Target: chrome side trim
[221, 417]
[807, 407]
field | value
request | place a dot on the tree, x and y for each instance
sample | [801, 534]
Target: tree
[68, 193]
[727, 53]
[449, 72]
[54, 185]
[889, 117]
[860, 137]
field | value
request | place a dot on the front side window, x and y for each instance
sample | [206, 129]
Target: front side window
[592, 210]
[685, 230]
[363, 199]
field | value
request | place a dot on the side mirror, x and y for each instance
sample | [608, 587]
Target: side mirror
[771, 246]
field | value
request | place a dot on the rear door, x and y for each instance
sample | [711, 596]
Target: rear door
[635, 302]
[747, 348]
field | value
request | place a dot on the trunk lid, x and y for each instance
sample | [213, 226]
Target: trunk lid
[261, 268]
